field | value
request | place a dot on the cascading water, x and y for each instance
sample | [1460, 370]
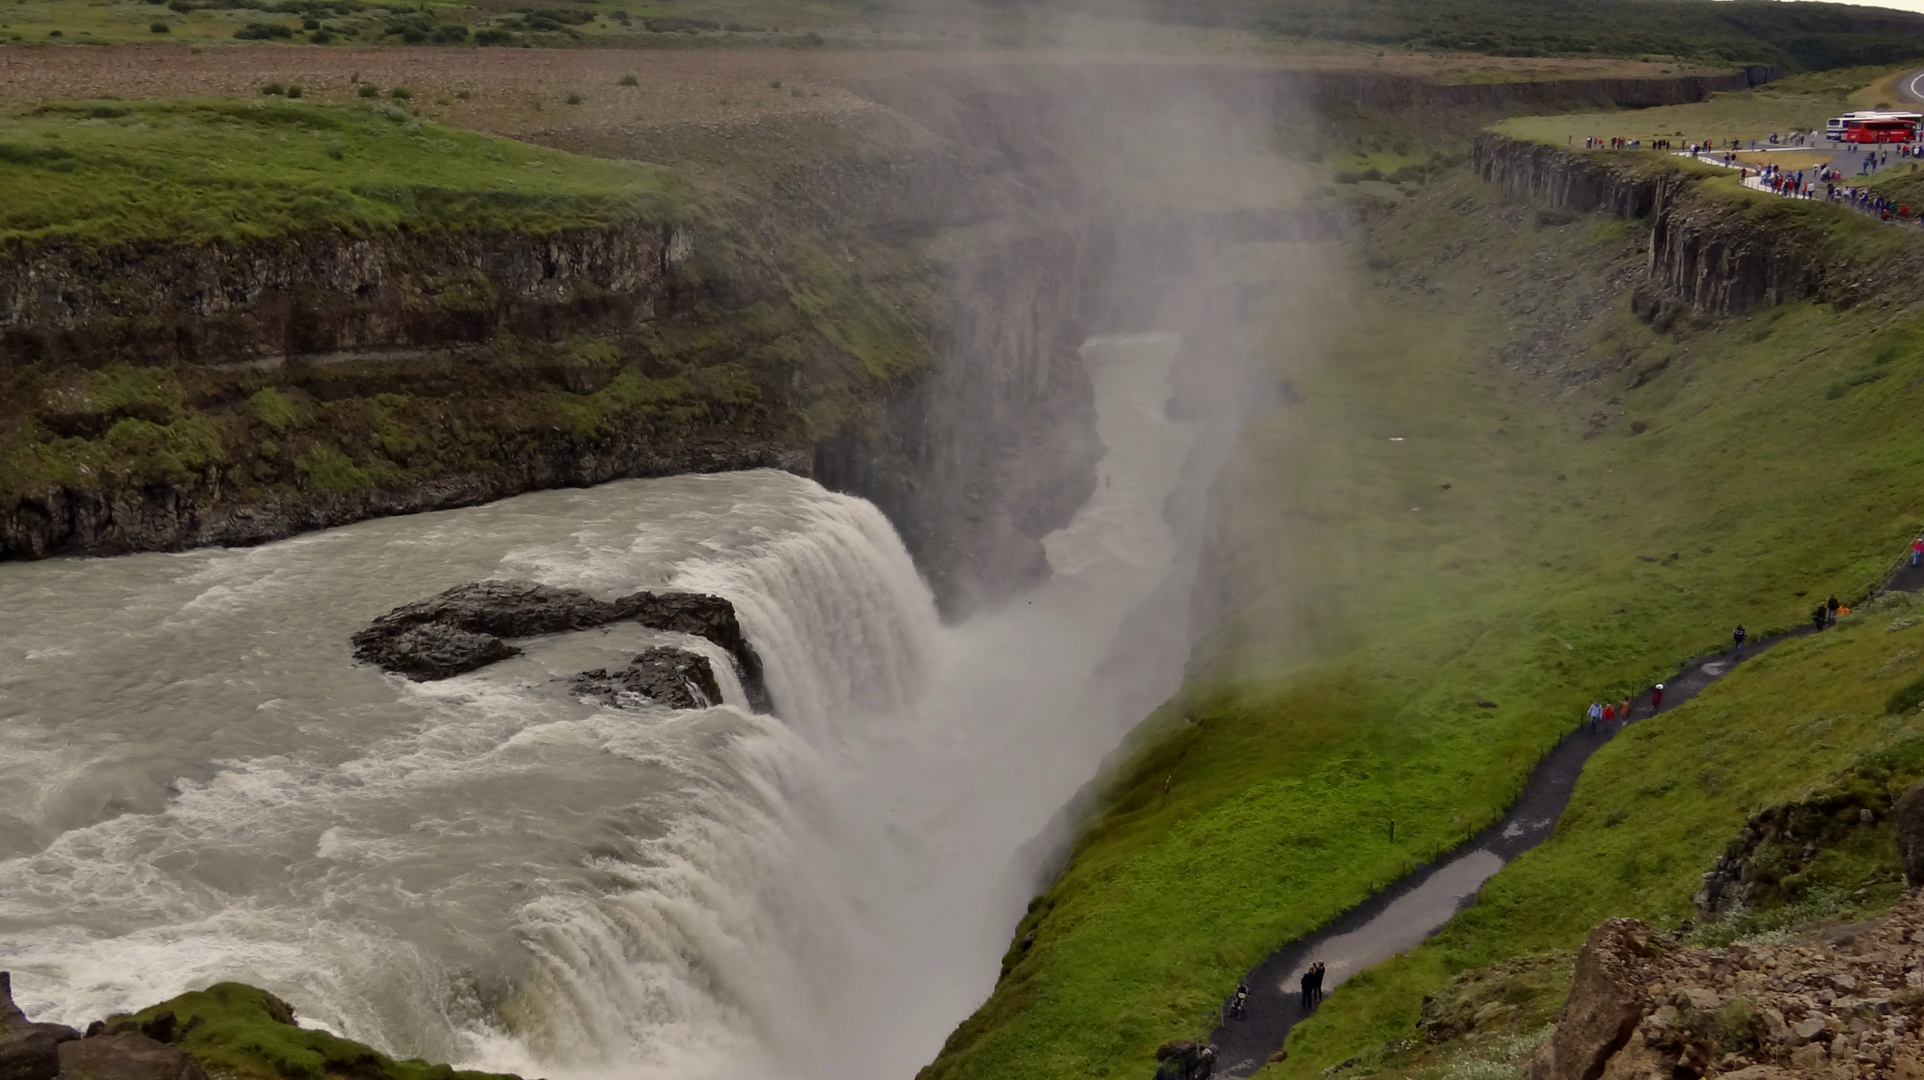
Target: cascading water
[199, 785]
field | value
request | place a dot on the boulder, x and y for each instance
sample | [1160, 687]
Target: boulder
[126, 1055]
[675, 678]
[439, 651]
[28, 1051]
[1908, 816]
[461, 629]
[1606, 1002]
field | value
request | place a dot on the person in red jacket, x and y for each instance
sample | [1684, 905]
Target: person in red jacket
[1656, 698]
[1609, 713]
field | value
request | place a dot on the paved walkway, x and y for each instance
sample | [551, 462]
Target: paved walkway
[1842, 159]
[1413, 908]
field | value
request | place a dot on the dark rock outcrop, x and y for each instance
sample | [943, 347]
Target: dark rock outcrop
[461, 629]
[126, 1055]
[1763, 866]
[1908, 815]
[672, 677]
[28, 1051]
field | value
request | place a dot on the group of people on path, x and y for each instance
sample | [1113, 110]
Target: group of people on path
[1826, 613]
[1603, 713]
[1313, 985]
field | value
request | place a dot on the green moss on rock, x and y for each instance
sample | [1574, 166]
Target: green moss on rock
[236, 1030]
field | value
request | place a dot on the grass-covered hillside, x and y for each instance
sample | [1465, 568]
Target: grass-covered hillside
[1499, 497]
[111, 172]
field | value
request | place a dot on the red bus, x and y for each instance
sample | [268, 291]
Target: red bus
[1881, 128]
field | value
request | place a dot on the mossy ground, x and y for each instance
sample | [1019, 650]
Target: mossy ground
[108, 172]
[1499, 487]
[236, 1030]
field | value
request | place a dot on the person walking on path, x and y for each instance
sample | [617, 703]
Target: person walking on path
[1623, 711]
[1737, 642]
[1309, 977]
[1830, 611]
[1917, 550]
[1316, 983]
[1817, 616]
[1596, 714]
[1656, 699]
[1609, 713]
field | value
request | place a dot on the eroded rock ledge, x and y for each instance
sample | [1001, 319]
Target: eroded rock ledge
[462, 629]
[1844, 1003]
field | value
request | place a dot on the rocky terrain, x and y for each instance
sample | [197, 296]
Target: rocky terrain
[30, 1051]
[670, 677]
[462, 629]
[1839, 1001]
[1845, 1002]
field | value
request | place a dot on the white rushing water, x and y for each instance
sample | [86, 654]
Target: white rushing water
[197, 783]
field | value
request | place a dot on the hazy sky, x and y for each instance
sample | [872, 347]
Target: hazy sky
[1906, 5]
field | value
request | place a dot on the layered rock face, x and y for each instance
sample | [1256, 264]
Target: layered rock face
[318, 295]
[1704, 256]
[1842, 1003]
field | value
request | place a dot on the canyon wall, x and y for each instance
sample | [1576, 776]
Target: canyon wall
[889, 300]
[1711, 252]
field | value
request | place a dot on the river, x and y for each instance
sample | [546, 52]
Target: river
[200, 784]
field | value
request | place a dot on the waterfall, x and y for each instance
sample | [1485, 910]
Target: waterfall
[488, 871]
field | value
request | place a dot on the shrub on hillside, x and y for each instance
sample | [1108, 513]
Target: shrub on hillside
[369, 90]
[1905, 699]
[628, 80]
[160, 28]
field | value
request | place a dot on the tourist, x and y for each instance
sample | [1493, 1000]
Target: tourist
[1596, 714]
[1316, 983]
[1830, 609]
[1917, 550]
[1309, 977]
[1818, 615]
[1623, 711]
[1656, 699]
[1737, 636]
[1240, 1001]
[1609, 714]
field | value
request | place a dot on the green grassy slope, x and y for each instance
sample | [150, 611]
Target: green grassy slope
[1652, 813]
[117, 172]
[1501, 487]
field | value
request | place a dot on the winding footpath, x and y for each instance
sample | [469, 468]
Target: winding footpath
[1419, 904]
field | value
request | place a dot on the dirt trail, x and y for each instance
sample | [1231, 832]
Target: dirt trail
[1419, 904]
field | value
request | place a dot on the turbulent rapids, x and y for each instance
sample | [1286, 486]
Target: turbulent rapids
[202, 784]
